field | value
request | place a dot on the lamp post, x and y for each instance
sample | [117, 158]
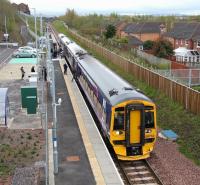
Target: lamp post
[41, 25]
[36, 37]
[55, 145]
[6, 34]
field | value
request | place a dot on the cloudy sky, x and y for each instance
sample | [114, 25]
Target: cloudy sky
[118, 6]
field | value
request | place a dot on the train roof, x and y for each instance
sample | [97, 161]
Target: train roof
[114, 87]
[61, 35]
[76, 49]
[66, 40]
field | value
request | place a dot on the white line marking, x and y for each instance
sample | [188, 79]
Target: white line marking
[6, 59]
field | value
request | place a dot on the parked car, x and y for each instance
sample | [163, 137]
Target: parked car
[27, 48]
[24, 54]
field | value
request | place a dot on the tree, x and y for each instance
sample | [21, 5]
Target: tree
[70, 17]
[163, 48]
[148, 45]
[110, 31]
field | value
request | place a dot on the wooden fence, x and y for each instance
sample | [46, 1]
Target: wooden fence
[184, 95]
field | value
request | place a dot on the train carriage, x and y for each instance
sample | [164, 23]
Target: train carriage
[127, 116]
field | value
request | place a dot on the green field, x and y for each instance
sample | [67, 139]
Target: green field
[170, 115]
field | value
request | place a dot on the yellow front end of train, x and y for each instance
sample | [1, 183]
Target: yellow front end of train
[133, 129]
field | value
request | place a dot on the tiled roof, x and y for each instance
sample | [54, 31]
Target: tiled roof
[134, 41]
[146, 27]
[185, 31]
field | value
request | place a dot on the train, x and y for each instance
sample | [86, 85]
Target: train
[127, 117]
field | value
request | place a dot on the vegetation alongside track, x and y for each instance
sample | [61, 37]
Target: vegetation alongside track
[170, 114]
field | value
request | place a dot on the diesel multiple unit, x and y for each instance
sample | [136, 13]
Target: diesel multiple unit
[127, 117]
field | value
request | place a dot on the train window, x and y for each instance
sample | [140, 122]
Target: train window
[119, 121]
[149, 119]
[119, 109]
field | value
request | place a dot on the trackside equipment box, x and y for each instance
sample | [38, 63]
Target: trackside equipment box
[29, 99]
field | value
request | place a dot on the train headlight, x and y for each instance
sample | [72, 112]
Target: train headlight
[148, 131]
[118, 132]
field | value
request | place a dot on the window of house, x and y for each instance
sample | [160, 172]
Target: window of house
[177, 41]
[198, 44]
[185, 59]
[186, 42]
[181, 41]
[197, 58]
[141, 47]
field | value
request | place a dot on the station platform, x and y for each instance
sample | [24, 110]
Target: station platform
[83, 156]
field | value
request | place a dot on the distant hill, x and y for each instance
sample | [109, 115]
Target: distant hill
[13, 22]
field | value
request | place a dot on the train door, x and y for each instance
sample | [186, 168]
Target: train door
[135, 127]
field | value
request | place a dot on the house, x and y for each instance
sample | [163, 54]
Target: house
[144, 31]
[119, 27]
[184, 55]
[134, 42]
[185, 35]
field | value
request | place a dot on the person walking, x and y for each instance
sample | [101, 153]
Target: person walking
[32, 69]
[22, 72]
[65, 68]
[44, 73]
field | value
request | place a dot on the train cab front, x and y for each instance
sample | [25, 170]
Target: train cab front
[133, 130]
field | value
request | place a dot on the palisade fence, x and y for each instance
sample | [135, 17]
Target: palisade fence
[182, 94]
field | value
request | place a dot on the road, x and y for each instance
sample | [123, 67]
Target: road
[5, 55]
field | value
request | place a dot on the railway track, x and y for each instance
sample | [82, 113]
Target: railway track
[137, 173]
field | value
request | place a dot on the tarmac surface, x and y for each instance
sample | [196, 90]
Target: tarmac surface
[74, 167]
[5, 55]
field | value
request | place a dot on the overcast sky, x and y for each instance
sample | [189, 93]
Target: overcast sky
[118, 6]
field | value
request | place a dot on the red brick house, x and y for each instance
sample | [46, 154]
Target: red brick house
[119, 27]
[144, 31]
[185, 35]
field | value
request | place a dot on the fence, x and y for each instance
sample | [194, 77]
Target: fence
[188, 77]
[184, 95]
[153, 59]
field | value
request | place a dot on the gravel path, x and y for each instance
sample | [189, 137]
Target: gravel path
[172, 167]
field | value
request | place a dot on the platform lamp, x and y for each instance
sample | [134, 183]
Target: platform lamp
[36, 37]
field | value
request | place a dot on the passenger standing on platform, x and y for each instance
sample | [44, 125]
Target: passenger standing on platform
[32, 69]
[73, 74]
[44, 73]
[22, 72]
[65, 68]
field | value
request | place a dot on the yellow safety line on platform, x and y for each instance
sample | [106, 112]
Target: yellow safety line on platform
[88, 146]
